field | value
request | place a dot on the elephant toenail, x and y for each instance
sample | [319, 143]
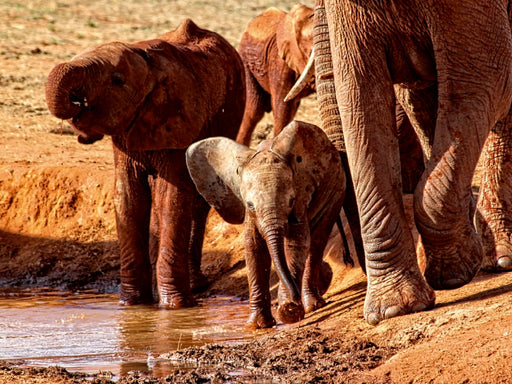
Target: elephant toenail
[419, 307]
[453, 283]
[505, 262]
[373, 318]
[394, 312]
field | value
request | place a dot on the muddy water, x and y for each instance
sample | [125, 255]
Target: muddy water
[89, 332]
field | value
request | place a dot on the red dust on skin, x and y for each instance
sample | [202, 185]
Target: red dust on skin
[58, 229]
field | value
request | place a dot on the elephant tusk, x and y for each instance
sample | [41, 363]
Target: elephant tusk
[306, 75]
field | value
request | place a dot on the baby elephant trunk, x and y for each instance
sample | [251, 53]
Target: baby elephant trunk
[290, 308]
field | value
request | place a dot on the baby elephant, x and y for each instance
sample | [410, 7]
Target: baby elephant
[290, 191]
[154, 98]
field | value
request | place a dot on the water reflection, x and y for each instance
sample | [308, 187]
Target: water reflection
[90, 332]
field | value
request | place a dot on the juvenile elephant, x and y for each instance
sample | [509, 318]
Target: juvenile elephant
[289, 191]
[154, 98]
[274, 48]
[451, 72]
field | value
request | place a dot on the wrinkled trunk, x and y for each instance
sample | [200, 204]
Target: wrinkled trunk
[326, 94]
[290, 304]
[64, 91]
[331, 118]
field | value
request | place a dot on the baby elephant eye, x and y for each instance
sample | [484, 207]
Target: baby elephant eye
[250, 206]
[118, 78]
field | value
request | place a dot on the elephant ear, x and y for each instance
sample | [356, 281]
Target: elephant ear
[213, 165]
[294, 37]
[175, 110]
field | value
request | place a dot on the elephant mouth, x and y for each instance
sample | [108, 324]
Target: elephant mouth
[88, 136]
[89, 132]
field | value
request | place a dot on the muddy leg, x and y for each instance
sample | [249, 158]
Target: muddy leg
[494, 215]
[258, 263]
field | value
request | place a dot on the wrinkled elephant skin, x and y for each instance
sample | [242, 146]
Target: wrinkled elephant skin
[441, 61]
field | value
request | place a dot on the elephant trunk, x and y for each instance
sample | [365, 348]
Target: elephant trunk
[64, 91]
[326, 92]
[290, 309]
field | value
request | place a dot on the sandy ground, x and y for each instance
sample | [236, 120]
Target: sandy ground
[57, 228]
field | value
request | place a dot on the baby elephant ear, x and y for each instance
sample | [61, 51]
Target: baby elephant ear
[213, 164]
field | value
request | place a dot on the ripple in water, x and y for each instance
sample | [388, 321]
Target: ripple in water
[90, 332]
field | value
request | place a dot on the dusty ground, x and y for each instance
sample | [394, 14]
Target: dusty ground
[57, 228]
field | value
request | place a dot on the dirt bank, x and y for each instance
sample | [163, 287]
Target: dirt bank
[57, 229]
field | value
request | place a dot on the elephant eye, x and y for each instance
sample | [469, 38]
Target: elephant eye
[118, 79]
[250, 206]
[299, 159]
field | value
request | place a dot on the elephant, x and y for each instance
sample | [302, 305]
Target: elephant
[274, 48]
[288, 192]
[450, 71]
[154, 98]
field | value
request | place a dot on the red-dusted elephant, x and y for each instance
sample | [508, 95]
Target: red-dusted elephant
[288, 192]
[275, 48]
[154, 98]
[451, 72]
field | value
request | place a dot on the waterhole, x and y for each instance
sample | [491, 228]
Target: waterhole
[90, 332]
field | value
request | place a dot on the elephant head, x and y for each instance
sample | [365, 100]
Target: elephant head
[272, 187]
[143, 91]
[294, 37]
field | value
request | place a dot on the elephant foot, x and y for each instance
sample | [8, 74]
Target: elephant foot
[198, 282]
[290, 312]
[312, 303]
[176, 301]
[261, 319]
[453, 265]
[389, 296]
[499, 258]
[130, 296]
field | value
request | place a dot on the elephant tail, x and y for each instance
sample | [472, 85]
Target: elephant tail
[347, 258]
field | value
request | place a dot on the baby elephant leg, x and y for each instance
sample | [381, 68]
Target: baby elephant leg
[258, 263]
[317, 273]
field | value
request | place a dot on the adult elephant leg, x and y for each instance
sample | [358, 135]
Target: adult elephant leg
[395, 284]
[198, 281]
[442, 206]
[175, 203]
[494, 214]
[132, 197]
[470, 103]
